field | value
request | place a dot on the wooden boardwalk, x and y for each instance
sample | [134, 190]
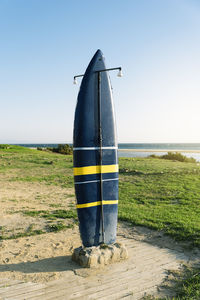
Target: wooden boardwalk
[140, 274]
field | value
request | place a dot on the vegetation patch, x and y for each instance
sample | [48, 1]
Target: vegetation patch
[185, 284]
[176, 156]
[14, 148]
[22, 234]
[55, 205]
[58, 227]
[4, 146]
[61, 149]
[60, 213]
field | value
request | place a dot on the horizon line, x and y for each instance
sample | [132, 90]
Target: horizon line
[28, 143]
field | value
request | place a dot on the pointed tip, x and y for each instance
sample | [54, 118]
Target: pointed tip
[98, 56]
[99, 52]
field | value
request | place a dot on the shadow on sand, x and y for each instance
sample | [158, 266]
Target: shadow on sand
[54, 264]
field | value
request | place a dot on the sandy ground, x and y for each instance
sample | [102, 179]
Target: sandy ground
[47, 257]
[16, 196]
[159, 150]
[17, 255]
[38, 258]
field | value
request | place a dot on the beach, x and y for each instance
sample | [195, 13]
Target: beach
[159, 150]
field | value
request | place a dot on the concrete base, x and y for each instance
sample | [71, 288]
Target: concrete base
[95, 257]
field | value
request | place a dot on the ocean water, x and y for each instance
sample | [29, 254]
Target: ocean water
[161, 146]
[146, 154]
[144, 146]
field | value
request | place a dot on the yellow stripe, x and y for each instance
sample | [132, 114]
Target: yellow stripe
[105, 202]
[95, 170]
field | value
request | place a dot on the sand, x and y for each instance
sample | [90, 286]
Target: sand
[159, 150]
[17, 255]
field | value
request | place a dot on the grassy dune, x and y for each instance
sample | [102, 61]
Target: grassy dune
[156, 193]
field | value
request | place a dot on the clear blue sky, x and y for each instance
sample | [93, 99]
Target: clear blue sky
[43, 44]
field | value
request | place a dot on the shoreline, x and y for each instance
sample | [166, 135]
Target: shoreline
[146, 150]
[159, 150]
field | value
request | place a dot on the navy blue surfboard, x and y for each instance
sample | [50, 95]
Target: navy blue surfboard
[95, 157]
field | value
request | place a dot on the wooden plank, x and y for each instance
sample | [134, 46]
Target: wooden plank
[28, 295]
[76, 279]
[8, 283]
[3, 280]
[142, 272]
[16, 287]
[53, 291]
[104, 289]
[88, 287]
[21, 289]
[127, 287]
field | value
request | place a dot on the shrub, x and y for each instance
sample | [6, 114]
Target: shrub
[63, 149]
[3, 146]
[178, 156]
[175, 156]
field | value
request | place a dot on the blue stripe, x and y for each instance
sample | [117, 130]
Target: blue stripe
[83, 158]
[90, 224]
[91, 192]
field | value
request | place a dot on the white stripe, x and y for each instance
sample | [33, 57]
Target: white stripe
[110, 179]
[82, 182]
[94, 148]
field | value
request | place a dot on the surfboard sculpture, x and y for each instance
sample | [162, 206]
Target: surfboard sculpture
[95, 156]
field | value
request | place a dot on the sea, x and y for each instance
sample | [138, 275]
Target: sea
[144, 149]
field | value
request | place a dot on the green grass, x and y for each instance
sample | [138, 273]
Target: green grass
[185, 283]
[156, 193]
[55, 179]
[29, 165]
[58, 227]
[160, 194]
[56, 214]
[55, 205]
[22, 234]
